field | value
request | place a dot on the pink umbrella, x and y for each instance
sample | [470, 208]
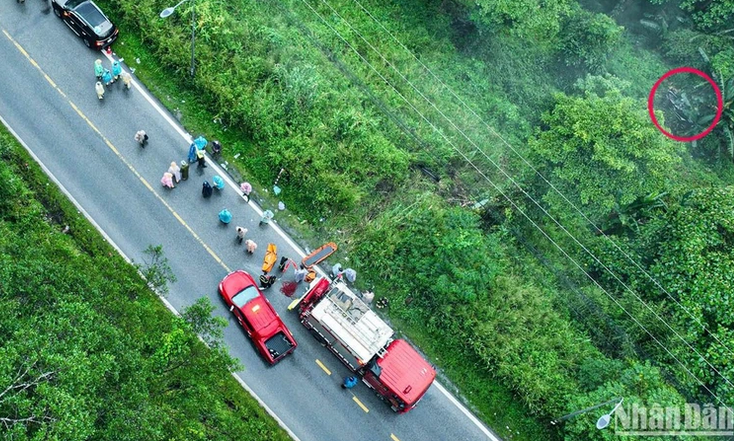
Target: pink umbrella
[246, 188]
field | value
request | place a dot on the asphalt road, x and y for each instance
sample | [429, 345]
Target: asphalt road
[47, 98]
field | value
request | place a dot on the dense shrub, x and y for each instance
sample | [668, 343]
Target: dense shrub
[587, 38]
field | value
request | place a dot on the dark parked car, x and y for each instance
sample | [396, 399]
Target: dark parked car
[87, 21]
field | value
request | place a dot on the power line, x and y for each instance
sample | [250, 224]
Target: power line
[380, 104]
[503, 172]
[537, 172]
[534, 223]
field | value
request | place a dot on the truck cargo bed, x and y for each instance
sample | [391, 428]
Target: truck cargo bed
[278, 344]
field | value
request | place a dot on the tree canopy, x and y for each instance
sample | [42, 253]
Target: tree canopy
[602, 152]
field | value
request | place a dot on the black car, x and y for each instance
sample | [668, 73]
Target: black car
[87, 21]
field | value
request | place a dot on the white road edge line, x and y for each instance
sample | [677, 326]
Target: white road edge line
[124, 256]
[466, 412]
[187, 137]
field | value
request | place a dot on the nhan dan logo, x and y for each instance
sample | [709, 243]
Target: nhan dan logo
[687, 419]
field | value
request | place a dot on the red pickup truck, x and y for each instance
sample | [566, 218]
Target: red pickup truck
[256, 315]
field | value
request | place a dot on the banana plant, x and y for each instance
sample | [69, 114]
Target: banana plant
[627, 219]
[726, 122]
[690, 114]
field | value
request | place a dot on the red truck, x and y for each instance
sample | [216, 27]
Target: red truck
[256, 315]
[342, 322]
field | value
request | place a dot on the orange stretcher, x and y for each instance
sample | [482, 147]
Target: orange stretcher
[319, 255]
[271, 256]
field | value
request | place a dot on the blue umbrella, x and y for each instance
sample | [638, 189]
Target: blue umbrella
[201, 142]
[218, 182]
[225, 216]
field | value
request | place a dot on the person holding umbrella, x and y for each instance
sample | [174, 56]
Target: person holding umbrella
[218, 182]
[349, 382]
[225, 216]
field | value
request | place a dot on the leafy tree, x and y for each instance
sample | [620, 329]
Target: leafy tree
[602, 152]
[711, 15]
[690, 252]
[698, 49]
[723, 62]
[199, 317]
[725, 126]
[450, 265]
[587, 38]
[157, 272]
[537, 19]
[638, 383]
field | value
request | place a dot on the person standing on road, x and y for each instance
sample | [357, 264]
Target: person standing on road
[267, 217]
[218, 182]
[127, 79]
[175, 171]
[246, 189]
[116, 70]
[184, 170]
[141, 138]
[225, 216]
[240, 234]
[99, 88]
[98, 69]
[201, 158]
[167, 180]
[206, 189]
[349, 382]
[301, 274]
[251, 246]
[107, 77]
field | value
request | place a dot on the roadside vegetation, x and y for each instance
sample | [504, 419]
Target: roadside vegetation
[88, 350]
[526, 285]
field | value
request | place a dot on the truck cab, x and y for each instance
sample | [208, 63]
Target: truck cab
[401, 377]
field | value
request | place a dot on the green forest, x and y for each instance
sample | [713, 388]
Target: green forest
[490, 167]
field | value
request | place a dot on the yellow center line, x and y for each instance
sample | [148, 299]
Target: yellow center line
[321, 365]
[119, 155]
[48, 78]
[393, 437]
[359, 403]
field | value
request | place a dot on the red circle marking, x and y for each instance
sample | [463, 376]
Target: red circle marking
[719, 105]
